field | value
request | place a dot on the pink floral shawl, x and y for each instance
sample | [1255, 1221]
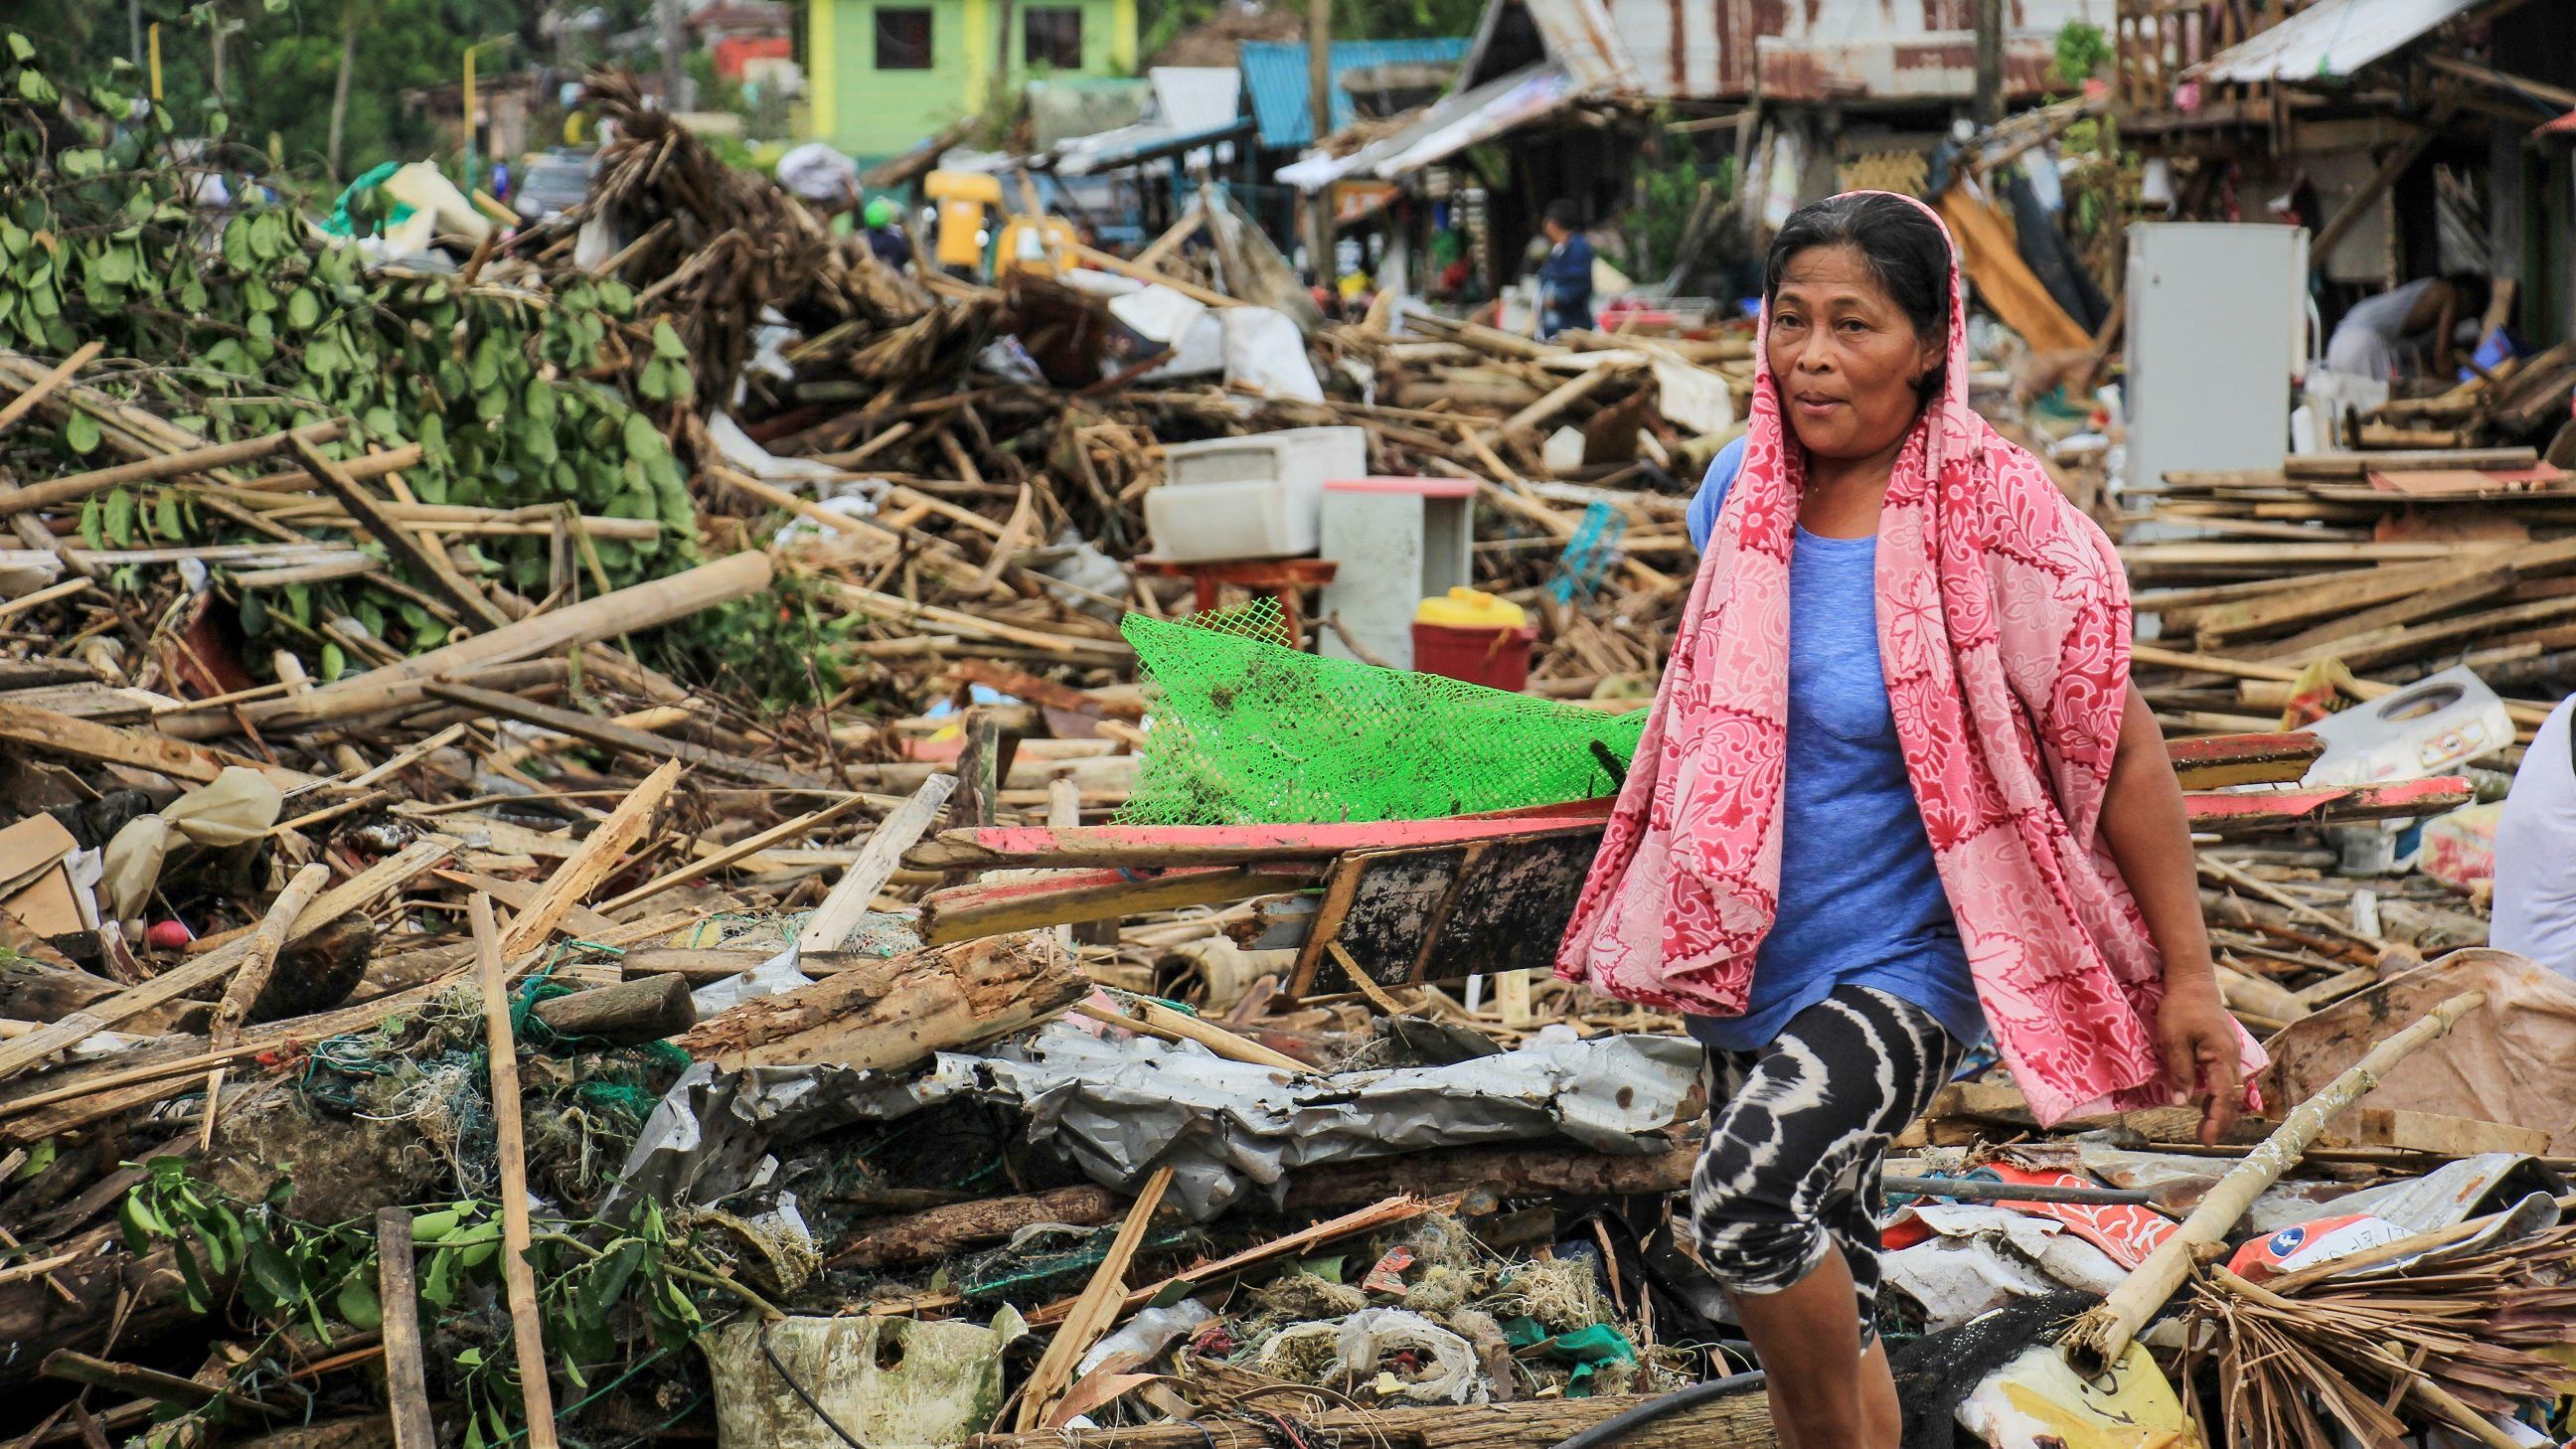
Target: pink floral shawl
[2003, 620]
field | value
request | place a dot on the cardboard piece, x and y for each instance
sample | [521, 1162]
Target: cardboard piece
[35, 882]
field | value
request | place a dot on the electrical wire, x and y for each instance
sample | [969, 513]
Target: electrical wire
[798, 1390]
[1612, 1430]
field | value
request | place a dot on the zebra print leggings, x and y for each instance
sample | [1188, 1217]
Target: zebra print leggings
[1797, 1134]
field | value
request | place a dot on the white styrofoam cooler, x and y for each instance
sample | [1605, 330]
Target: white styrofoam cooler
[2434, 725]
[1255, 497]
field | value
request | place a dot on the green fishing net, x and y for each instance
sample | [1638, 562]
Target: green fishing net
[1247, 731]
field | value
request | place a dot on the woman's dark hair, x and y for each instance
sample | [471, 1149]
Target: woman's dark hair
[2470, 292]
[1905, 249]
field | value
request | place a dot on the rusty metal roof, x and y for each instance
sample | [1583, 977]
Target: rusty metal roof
[1712, 49]
[1577, 37]
[1937, 66]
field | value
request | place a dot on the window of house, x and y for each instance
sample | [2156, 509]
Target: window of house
[1051, 36]
[903, 38]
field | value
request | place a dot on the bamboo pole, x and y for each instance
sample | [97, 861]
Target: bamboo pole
[59, 491]
[26, 401]
[2099, 1337]
[637, 607]
[527, 1330]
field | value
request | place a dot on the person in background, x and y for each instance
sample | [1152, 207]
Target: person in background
[885, 233]
[2535, 868]
[2408, 330]
[1565, 278]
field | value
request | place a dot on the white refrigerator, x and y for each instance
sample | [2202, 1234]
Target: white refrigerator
[2217, 326]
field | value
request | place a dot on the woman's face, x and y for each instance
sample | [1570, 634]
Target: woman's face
[1844, 355]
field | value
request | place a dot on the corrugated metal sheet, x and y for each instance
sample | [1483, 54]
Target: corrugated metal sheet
[1274, 77]
[1193, 98]
[1443, 129]
[1708, 49]
[2335, 38]
[1584, 38]
[1936, 66]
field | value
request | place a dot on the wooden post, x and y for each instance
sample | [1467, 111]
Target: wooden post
[1990, 61]
[1319, 102]
[406, 1378]
[527, 1329]
[2097, 1339]
[979, 775]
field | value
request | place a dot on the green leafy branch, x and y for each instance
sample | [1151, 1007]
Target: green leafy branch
[292, 1274]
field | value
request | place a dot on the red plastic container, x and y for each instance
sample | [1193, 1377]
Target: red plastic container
[1494, 658]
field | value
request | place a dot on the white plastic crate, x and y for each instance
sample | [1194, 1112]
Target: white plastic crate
[1255, 497]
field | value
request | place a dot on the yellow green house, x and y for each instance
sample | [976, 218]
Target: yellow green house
[884, 74]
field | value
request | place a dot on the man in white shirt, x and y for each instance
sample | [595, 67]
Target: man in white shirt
[2535, 852]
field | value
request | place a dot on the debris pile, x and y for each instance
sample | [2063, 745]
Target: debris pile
[627, 832]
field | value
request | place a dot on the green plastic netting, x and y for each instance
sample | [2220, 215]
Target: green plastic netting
[1247, 731]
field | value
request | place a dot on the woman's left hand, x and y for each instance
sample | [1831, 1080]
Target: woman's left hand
[2198, 1039]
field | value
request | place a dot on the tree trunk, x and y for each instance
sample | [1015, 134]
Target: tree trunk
[926, 1237]
[629, 1013]
[340, 92]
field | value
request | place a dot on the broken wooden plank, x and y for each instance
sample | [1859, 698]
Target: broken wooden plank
[991, 908]
[1369, 1219]
[743, 849]
[2217, 761]
[890, 1015]
[398, 1293]
[223, 1028]
[2267, 810]
[2385, 460]
[141, 749]
[852, 895]
[518, 1275]
[1092, 1314]
[598, 858]
[2446, 1135]
[1182, 845]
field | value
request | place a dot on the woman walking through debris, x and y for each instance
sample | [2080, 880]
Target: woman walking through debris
[1896, 788]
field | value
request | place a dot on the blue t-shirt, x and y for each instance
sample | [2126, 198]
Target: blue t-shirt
[1861, 903]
